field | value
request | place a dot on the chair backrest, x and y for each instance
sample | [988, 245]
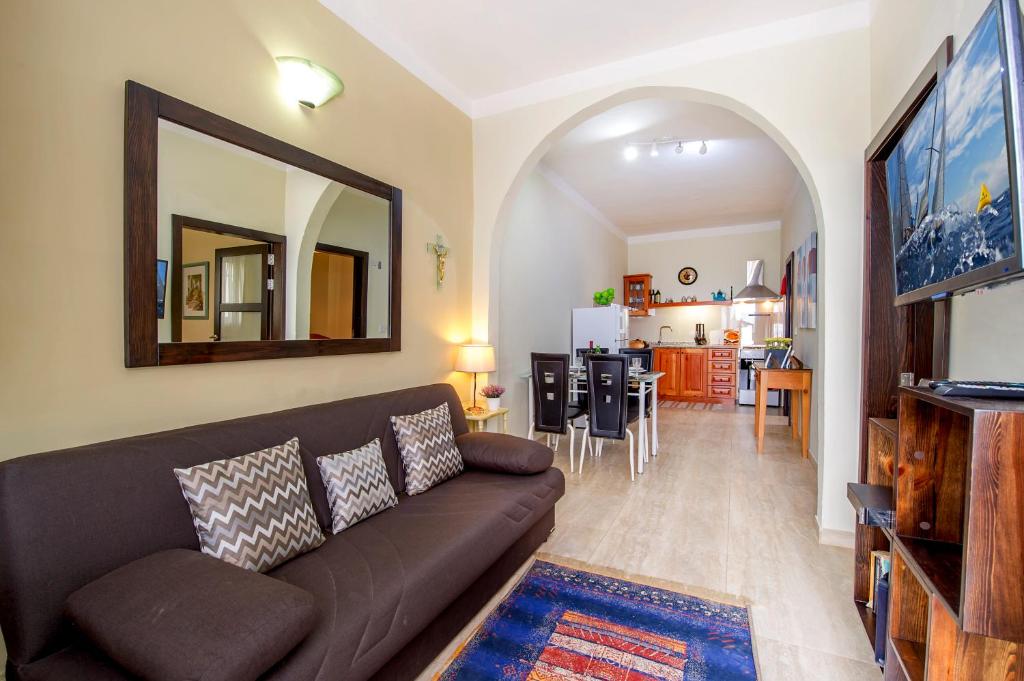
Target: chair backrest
[550, 391]
[607, 383]
[646, 356]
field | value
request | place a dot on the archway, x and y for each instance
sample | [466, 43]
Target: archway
[496, 302]
[631, 94]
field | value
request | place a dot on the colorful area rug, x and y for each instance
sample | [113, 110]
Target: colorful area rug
[563, 624]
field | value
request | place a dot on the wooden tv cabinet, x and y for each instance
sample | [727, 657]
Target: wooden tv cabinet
[953, 469]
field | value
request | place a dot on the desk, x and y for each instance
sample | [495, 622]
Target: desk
[478, 421]
[798, 382]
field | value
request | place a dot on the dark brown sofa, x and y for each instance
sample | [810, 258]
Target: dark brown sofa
[391, 592]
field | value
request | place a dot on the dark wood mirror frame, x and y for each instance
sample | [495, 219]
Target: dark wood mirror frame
[143, 109]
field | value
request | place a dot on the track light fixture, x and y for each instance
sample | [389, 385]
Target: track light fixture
[632, 150]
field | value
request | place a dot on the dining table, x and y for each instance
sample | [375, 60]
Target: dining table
[642, 384]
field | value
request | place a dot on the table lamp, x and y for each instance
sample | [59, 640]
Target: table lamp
[475, 358]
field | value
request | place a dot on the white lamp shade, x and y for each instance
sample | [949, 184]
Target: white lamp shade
[475, 358]
[308, 83]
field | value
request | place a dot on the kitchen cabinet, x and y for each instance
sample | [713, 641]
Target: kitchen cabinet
[636, 293]
[667, 360]
[692, 372]
[696, 374]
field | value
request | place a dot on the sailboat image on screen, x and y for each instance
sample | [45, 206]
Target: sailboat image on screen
[951, 205]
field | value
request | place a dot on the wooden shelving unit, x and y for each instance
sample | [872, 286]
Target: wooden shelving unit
[956, 586]
[692, 304]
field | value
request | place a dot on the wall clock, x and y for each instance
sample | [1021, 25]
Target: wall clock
[687, 276]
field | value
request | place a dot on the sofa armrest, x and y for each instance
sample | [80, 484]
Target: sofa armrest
[501, 453]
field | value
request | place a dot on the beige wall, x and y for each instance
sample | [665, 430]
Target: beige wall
[986, 326]
[559, 255]
[720, 258]
[813, 99]
[63, 65]
[798, 221]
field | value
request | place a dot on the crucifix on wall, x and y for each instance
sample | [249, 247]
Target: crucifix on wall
[440, 252]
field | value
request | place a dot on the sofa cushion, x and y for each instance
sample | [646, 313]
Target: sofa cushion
[427, 445]
[179, 614]
[254, 510]
[357, 484]
[379, 583]
[500, 453]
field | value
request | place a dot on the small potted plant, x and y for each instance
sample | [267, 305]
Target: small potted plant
[493, 394]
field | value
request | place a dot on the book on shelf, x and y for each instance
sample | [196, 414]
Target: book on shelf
[881, 563]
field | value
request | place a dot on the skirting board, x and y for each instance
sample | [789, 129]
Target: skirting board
[841, 538]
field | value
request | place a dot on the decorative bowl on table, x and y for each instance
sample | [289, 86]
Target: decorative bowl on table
[778, 343]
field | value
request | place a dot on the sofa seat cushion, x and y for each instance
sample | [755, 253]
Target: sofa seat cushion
[179, 614]
[380, 582]
[79, 662]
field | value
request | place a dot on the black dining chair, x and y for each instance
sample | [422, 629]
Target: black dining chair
[554, 410]
[646, 356]
[610, 414]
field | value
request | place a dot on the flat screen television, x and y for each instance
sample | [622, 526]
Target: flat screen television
[953, 177]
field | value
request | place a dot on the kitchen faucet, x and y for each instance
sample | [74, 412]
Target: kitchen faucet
[662, 329]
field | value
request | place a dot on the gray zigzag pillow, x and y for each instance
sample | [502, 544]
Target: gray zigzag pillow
[357, 484]
[427, 445]
[253, 510]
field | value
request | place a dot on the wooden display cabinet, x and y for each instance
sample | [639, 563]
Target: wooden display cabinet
[636, 294]
[956, 599]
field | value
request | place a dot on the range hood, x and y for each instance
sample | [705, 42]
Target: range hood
[755, 291]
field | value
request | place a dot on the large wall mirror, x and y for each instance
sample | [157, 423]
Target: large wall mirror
[239, 246]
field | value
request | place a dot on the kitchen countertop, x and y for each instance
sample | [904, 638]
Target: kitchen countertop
[694, 345]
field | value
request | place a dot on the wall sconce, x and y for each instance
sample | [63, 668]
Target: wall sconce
[308, 83]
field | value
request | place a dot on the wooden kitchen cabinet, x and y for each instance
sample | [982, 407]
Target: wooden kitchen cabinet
[696, 374]
[637, 294]
[693, 368]
[667, 360]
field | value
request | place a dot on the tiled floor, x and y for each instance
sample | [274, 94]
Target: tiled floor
[711, 513]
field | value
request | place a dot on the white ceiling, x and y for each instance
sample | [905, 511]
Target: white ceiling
[744, 178]
[470, 50]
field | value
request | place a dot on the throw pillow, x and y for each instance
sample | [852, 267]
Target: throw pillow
[253, 510]
[178, 614]
[357, 484]
[427, 445]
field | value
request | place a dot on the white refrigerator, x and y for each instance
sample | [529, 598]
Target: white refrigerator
[607, 326]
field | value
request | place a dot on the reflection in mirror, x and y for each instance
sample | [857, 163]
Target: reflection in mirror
[260, 250]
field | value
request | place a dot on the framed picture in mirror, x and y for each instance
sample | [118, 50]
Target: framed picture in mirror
[161, 287]
[270, 251]
[195, 277]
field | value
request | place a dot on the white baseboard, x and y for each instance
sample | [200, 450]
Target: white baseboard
[841, 538]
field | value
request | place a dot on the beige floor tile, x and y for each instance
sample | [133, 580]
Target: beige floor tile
[712, 513]
[785, 662]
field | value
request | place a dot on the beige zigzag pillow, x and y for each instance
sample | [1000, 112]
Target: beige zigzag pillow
[253, 510]
[427, 445]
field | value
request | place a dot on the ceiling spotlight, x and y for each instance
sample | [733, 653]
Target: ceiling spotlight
[679, 148]
[654, 149]
[630, 153]
[703, 148]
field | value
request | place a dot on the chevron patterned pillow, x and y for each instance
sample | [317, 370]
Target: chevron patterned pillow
[427, 444]
[253, 510]
[357, 484]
